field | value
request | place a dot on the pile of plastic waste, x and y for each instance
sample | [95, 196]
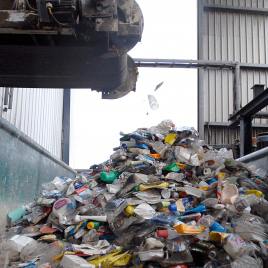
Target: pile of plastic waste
[163, 199]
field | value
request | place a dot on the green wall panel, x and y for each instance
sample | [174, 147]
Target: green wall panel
[22, 172]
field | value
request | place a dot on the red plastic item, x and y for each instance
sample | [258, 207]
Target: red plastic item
[183, 194]
[48, 211]
[178, 266]
[47, 230]
[196, 219]
[80, 190]
[188, 173]
[162, 233]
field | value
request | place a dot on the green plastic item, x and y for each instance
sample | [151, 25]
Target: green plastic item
[16, 214]
[135, 189]
[93, 225]
[109, 176]
[172, 168]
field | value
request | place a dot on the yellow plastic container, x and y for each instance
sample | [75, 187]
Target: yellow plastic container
[170, 139]
[189, 229]
[256, 192]
[222, 175]
[182, 166]
[161, 186]
[130, 210]
[217, 236]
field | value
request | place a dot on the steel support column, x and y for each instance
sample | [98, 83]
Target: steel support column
[66, 125]
[245, 135]
[201, 104]
[244, 118]
[237, 102]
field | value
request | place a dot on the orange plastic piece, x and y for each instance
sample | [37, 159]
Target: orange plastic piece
[156, 155]
[182, 166]
[203, 188]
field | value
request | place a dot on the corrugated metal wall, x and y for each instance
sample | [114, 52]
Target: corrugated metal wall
[233, 37]
[224, 135]
[38, 114]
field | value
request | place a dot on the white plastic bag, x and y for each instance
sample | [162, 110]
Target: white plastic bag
[31, 251]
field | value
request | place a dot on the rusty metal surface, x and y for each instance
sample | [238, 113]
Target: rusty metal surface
[63, 67]
[88, 52]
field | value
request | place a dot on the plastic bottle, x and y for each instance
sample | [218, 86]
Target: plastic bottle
[189, 217]
[163, 150]
[153, 102]
[223, 258]
[16, 214]
[54, 250]
[61, 246]
[138, 151]
[109, 176]
[129, 210]
[256, 192]
[240, 205]
[169, 234]
[161, 186]
[247, 262]
[78, 218]
[60, 207]
[206, 221]
[141, 146]
[118, 154]
[93, 225]
[170, 139]
[133, 163]
[129, 144]
[175, 246]
[216, 227]
[235, 246]
[163, 220]
[200, 208]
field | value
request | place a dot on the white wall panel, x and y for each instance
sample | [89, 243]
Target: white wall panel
[233, 37]
[37, 113]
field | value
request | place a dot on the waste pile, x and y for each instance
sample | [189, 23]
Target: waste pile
[163, 199]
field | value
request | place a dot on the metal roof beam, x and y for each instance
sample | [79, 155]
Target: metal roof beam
[196, 64]
[177, 63]
[235, 9]
[253, 66]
